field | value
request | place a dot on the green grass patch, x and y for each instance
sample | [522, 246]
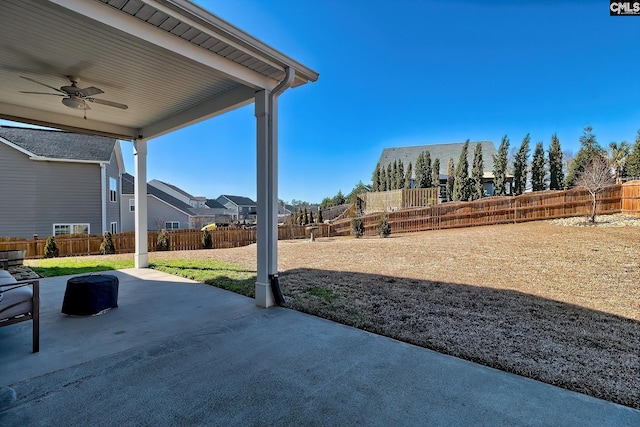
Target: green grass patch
[323, 293]
[223, 275]
[52, 267]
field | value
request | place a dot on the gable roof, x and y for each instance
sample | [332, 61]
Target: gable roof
[214, 204]
[60, 145]
[179, 190]
[239, 200]
[439, 151]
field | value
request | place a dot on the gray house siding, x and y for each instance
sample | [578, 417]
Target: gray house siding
[113, 208]
[17, 195]
[159, 212]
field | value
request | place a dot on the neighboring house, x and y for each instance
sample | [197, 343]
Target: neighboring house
[55, 183]
[243, 209]
[444, 152]
[165, 211]
[180, 194]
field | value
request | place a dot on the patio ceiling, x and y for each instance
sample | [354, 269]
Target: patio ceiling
[170, 61]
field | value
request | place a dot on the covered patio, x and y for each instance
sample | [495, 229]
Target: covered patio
[144, 69]
[177, 352]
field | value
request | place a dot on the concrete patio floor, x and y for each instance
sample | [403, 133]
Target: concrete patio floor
[176, 353]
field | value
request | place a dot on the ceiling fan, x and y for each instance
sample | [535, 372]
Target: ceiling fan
[74, 97]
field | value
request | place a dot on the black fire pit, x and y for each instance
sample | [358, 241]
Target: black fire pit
[90, 294]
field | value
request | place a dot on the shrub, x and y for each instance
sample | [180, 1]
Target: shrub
[384, 229]
[357, 227]
[50, 248]
[162, 244]
[207, 240]
[107, 246]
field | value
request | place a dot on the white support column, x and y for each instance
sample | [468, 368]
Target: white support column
[267, 209]
[140, 198]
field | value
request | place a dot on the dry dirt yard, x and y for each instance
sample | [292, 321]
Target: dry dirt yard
[551, 301]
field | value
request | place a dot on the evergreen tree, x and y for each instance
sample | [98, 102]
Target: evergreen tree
[500, 168]
[589, 151]
[400, 175]
[435, 173]
[311, 221]
[451, 179]
[477, 189]
[383, 180]
[407, 178]
[556, 175]
[320, 219]
[520, 167]
[633, 161]
[420, 168]
[461, 188]
[375, 179]
[394, 177]
[428, 179]
[537, 168]
[390, 176]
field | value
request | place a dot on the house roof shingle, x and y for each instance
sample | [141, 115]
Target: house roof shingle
[239, 200]
[439, 151]
[55, 144]
[214, 204]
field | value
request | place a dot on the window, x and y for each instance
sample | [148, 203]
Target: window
[62, 229]
[172, 225]
[114, 228]
[113, 190]
[132, 205]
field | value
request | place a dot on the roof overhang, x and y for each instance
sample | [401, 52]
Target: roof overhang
[170, 61]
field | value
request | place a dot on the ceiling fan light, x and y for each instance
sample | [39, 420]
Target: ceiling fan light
[73, 103]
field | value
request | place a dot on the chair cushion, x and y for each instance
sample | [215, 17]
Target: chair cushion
[5, 279]
[21, 297]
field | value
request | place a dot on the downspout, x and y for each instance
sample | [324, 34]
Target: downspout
[286, 83]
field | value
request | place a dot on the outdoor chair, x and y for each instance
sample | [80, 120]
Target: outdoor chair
[19, 302]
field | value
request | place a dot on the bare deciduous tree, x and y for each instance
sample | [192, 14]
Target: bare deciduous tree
[595, 178]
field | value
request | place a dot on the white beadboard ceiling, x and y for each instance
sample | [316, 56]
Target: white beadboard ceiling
[172, 62]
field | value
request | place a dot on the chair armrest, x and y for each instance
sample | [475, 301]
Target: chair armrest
[4, 263]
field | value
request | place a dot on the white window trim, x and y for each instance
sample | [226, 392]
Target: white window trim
[172, 225]
[71, 227]
[113, 227]
[132, 205]
[113, 192]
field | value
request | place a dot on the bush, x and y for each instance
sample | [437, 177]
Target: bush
[384, 229]
[207, 240]
[107, 247]
[357, 227]
[50, 248]
[162, 244]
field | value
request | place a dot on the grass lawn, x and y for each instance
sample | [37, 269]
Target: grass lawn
[224, 275]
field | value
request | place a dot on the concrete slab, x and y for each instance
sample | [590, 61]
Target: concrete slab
[177, 352]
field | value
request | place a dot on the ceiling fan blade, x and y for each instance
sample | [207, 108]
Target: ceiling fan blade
[90, 91]
[44, 84]
[42, 93]
[108, 103]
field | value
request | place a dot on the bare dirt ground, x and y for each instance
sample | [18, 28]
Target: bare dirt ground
[553, 302]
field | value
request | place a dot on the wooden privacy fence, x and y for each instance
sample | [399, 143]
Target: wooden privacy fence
[631, 198]
[382, 201]
[492, 210]
[82, 244]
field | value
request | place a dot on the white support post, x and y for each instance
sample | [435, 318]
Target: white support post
[267, 209]
[140, 199]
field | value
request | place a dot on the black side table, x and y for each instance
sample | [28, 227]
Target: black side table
[90, 294]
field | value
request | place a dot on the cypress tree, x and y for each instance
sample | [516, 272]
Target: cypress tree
[320, 219]
[477, 190]
[419, 182]
[389, 177]
[520, 167]
[435, 173]
[589, 151]
[305, 217]
[556, 175]
[461, 185]
[383, 180]
[407, 179]
[451, 179]
[394, 177]
[311, 217]
[537, 168]
[400, 175]
[500, 168]
[375, 179]
[428, 178]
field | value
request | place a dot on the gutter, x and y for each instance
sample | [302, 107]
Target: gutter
[273, 135]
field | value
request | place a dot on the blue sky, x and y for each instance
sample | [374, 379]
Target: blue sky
[399, 73]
